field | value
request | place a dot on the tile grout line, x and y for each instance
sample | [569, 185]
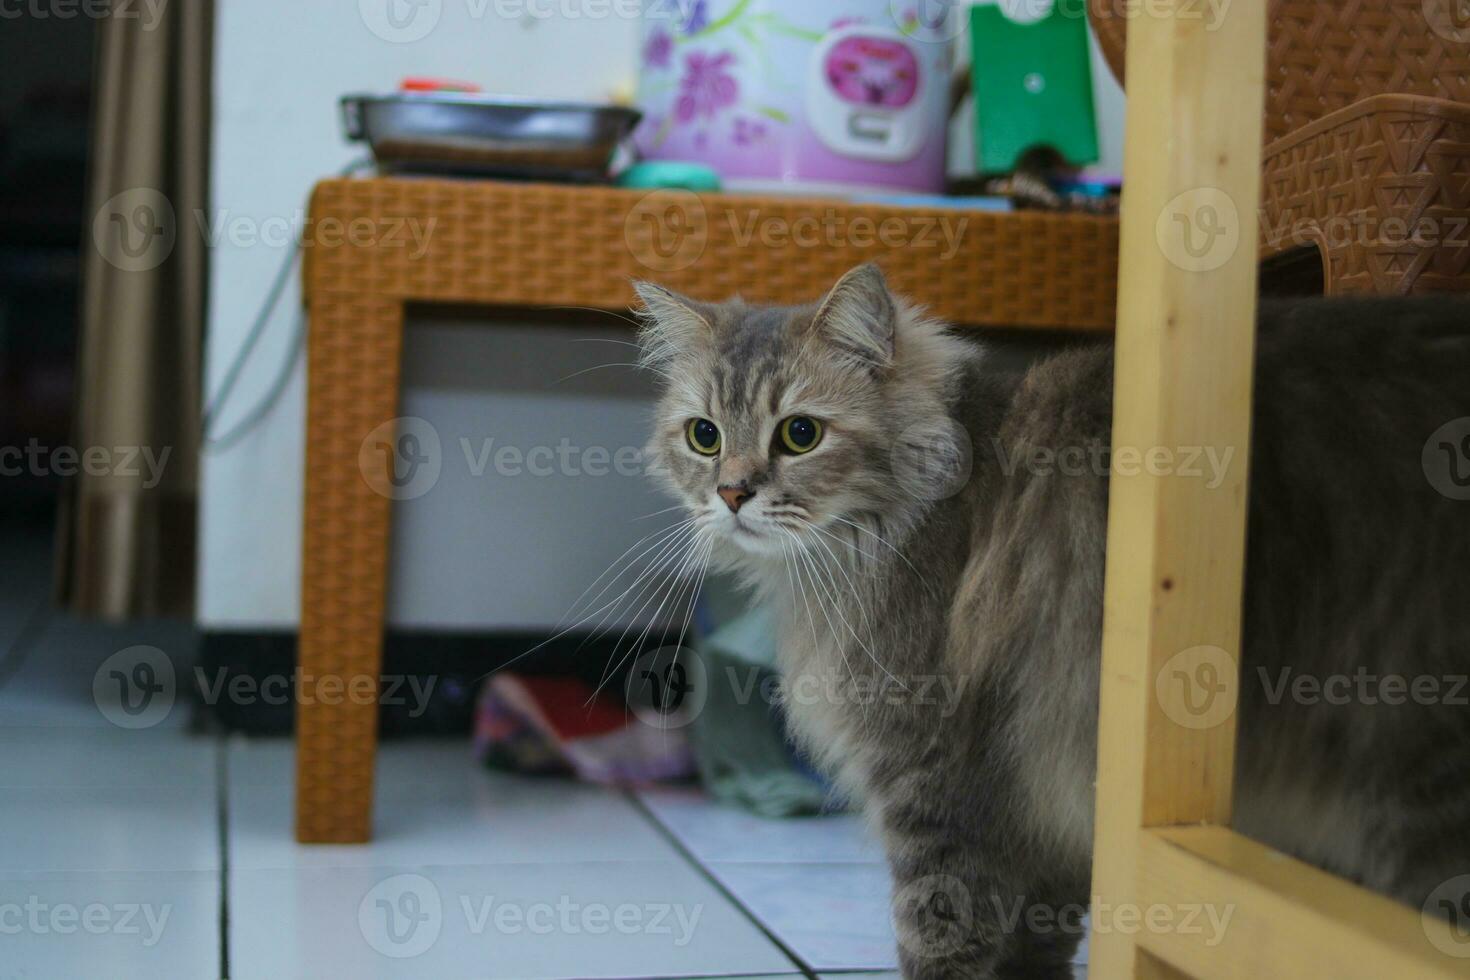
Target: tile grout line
[222, 802]
[31, 630]
[719, 885]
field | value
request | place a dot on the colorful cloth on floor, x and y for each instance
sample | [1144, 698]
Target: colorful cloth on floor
[558, 725]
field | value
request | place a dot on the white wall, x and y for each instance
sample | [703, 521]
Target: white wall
[465, 553]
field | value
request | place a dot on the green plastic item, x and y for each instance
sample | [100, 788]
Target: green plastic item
[670, 173]
[1033, 87]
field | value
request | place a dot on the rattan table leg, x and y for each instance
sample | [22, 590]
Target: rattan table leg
[352, 397]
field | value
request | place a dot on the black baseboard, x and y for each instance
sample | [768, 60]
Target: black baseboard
[247, 681]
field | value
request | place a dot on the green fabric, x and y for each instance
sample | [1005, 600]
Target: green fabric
[742, 753]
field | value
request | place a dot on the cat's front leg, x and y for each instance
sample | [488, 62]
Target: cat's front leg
[974, 894]
[949, 927]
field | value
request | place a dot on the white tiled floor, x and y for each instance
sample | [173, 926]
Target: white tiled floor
[159, 853]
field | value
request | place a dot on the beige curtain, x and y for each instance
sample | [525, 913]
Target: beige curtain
[126, 546]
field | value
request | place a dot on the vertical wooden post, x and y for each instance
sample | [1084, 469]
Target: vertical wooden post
[1185, 345]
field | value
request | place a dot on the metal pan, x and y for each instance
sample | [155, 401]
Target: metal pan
[454, 133]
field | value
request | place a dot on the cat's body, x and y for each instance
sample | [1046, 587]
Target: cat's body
[953, 641]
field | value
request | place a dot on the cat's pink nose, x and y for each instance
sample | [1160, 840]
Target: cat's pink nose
[736, 496]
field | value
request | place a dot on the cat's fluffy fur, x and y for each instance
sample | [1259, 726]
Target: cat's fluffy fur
[947, 627]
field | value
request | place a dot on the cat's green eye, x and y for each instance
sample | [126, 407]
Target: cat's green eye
[800, 434]
[704, 436]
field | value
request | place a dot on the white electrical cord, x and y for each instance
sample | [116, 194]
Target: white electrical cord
[263, 407]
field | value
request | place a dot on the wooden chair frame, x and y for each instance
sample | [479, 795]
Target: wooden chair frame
[1185, 345]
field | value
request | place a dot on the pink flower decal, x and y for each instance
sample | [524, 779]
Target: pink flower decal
[706, 87]
[658, 51]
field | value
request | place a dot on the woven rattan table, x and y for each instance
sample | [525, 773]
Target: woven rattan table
[378, 245]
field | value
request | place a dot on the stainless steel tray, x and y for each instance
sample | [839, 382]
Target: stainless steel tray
[452, 133]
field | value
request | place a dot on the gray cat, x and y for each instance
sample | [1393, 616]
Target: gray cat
[942, 606]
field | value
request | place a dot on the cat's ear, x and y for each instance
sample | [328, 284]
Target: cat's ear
[672, 324]
[860, 316]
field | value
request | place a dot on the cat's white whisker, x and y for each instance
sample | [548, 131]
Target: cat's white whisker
[659, 534]
[600, 367]
[563, 632]
[653, 580]
[857, 595]
[693, 599]
[672, 589]
[665, 589]
[883, 541]
[811, 558]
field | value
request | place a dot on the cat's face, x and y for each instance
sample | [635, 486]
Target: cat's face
[776, 423]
